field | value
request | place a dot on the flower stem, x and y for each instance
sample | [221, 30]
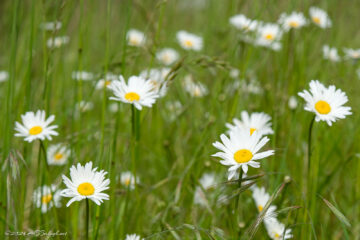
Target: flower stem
[309, 141]
[87, 219]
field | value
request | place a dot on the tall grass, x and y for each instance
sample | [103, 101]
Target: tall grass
[169, 156]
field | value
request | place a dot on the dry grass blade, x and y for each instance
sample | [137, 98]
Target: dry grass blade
[337, 213]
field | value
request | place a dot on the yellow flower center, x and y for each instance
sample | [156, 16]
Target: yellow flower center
[277, 236]
[58, 156]
[252, 130]
[269, 36]
[322, 107]
[86, 189]
[35, 130]
[107, 82]
[243, 156]
[188, 43]
[134, 41]
[132, 96]
[293, 24]
[127, 182]
[316, 20]
[46, 199]
[260, 208]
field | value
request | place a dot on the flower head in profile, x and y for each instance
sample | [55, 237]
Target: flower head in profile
[85, 182]
[258, 121]
[243, 23]
[51, 26]
[167, 56]
[276, 230]
[3, 76]
[57, 42]
[195, 89]
[207, 181]
[128, 180]
[82, 75]
[326, 103]
[57, 154]
[137, 91]
[353, 54]
[35, 126]
[157, 77]
[330, 53]
[46, 197]
[293, 20]
[320, 17]
[241, 150]
[135, 38]
[132, 237]
[261, 197]
[269, 35]
[189, 41]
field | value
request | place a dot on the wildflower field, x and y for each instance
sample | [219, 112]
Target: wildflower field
[179, 119]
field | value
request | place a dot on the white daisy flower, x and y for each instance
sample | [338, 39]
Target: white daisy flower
[45, 198]
[326, 103]
[57, 42]
[207, 181]
[128, 180]
[320, 17]
[106, 81]
[51, 26]
[269, 35]
[352, 53]
[57, 154]
[135, 38]
[194, 89]
[276, 230]
[137, 91]
[294, 20]
[113, 107]
[3, 76]
[85, 182]
[189, 41]
[243, 23]
[234, 73]
[330, 53]
[167, 56]
[82, 75]
[241, 150]
[261, 197]
[35, 126]
[292, 103]
[157, 78]
[258, 121]
[132, 237]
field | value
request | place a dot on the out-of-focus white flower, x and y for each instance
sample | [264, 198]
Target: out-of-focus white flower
[57, 154]
[51, 26]
[331, 53]
[84, 106]
[132, 237]
[207, 181]
[277, 230]
[128, 180]
[167, 56]
[57, 42]
[4, 76]
[234, 73]
[82, 75]
[174, 109]
[113, 107]
[292, 102]
[320, 17]
[294, 20]
[136, 38]
[189, 41]
[353, 54]
[157, 78]
[243, 23]
[46, 197]
[269, 35]
[194, 89]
